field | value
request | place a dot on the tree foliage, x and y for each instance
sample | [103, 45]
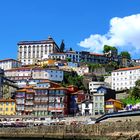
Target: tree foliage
[62, 46]
[92, 66]
[130, 100]
[70, 49]
[125, 54]
[73, 79]
[135, 91]
[108, 48]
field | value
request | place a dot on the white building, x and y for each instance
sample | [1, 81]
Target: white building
[57, 56]
[125, 78]
[34, 73]
[73, 55]
[87, 107]
[9, 64]
[29, 52]
[94, 85]
[98, 103]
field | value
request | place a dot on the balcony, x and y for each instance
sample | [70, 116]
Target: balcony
[29, 104]
[28, 109]
[20, 103]
[41, 109]
[20, 109]
[30, 98]
[20, 96]
[40, 102]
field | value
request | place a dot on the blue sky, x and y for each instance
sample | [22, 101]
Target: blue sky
[83, 24]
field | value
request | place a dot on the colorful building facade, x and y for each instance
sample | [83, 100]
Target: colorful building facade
[112, 105]
[7, 107]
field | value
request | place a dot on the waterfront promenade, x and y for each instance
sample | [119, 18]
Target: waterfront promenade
[127, 128]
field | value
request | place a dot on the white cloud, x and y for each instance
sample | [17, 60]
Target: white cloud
[124, 33]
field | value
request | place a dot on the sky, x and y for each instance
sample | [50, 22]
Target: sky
[82, 24]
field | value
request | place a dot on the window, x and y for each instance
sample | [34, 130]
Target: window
[101, 98]
[12, 109]
[6, 109]
[7, 103]
[13, 103]
[0, 109]
[96, 98]
[87, 105]
[96, 105]
[101, 104]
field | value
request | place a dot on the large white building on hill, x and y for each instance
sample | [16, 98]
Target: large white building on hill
[29, 52]
[125, 78]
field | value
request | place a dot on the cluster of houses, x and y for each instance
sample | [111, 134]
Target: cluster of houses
[31, 85]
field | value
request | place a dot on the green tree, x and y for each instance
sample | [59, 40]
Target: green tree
[137, 83]
[107, 48]
[135, 93]
[68, 59]
[125, 54]
[62, 46]
[70, 49]
[72, 78]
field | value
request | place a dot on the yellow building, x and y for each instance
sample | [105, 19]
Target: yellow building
[7, 107]
[48, 62]
[112, 105]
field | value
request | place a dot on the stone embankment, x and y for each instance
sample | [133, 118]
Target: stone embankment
[107, 131]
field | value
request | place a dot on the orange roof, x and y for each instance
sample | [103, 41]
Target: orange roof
[21, 90]
[28, 87]
[129, 68]
[7, 100]
[58, 88]
[112, 100]
[96, 54]
[28, 91]
[36, 88]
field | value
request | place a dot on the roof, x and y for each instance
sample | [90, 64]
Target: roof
[21, 90]
[96, 54]
[58, 53]
[30, 68]
[129, 68]
[7, 100]
[71, 52]
[112, 100]
[28, 91]
[9, 59]
[58, 88]
[87, 101]
[78, 92]
[28, 87]
[48, 81]
[49, 40]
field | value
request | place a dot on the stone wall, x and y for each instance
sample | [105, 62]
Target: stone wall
[108, 130]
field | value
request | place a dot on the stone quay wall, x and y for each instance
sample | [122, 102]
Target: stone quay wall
[107, 129]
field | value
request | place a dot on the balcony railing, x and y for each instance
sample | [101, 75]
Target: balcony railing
[40, 109]
[29, 104]
[40, 102]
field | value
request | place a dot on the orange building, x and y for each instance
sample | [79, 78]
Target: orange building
[112, 105]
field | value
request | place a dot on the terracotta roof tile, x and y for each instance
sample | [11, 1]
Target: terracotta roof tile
[129, 68]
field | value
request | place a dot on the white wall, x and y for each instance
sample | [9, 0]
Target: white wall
[125, 79]
[94, 85]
